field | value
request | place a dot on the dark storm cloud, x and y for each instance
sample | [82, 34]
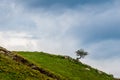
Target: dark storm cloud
[60, 3]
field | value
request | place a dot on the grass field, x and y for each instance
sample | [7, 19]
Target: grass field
[11, 70]
[67, 68]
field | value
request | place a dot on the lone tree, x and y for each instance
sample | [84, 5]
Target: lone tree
[81, 53]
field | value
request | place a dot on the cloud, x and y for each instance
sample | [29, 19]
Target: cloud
[24, 41]
[24, 26]
[16, 41]
[46, 30]
[60, 3]
[107, 49]
[104, 56]
[110, 66]
[99, 26]
[13, 17]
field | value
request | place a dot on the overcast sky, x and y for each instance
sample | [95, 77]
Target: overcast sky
[64, 26]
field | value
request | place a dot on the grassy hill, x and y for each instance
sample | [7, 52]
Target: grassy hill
[65, 67]
[11, 70]
[43, 66]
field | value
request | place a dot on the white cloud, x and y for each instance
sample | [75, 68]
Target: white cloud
[16, 41]
[25, 42]
[49, 30]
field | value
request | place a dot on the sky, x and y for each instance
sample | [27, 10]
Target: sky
[64, 26]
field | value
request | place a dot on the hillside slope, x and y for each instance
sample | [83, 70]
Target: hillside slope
[65, 66]
[12, 70]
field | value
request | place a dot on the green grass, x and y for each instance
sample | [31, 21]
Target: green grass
[11, 70]
[67, 68]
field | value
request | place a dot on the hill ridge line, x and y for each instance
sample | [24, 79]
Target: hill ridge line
[24, 61]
